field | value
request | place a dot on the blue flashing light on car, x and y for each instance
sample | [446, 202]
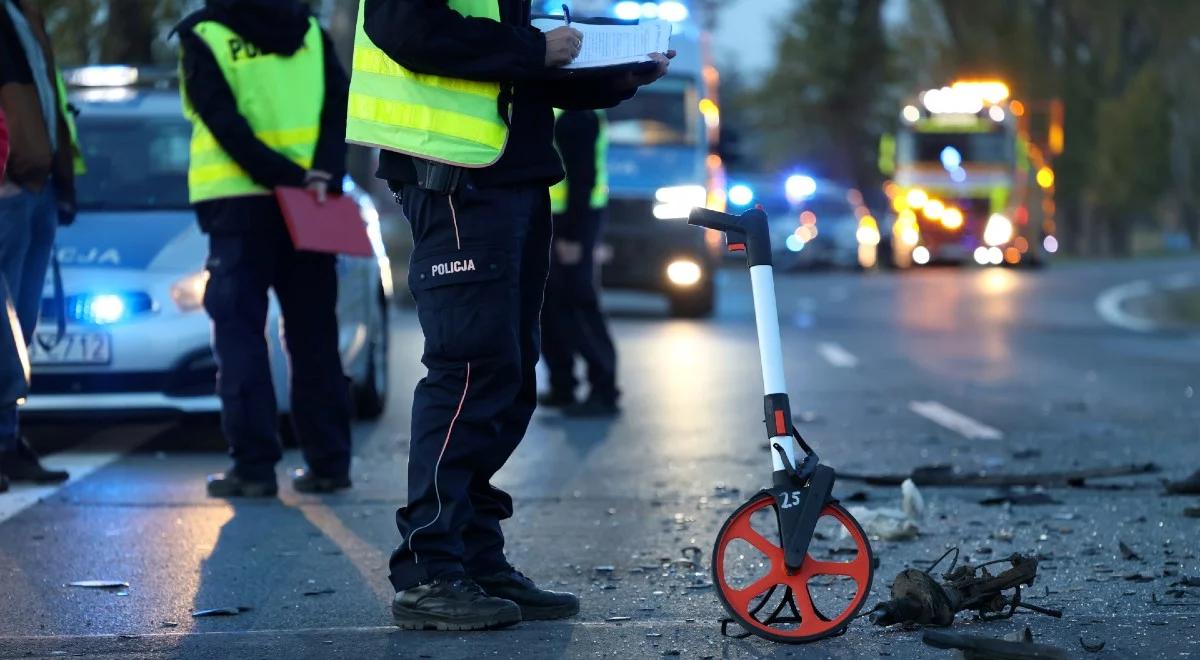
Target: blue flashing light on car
[671, 11]
[741, 195]
[799, 187]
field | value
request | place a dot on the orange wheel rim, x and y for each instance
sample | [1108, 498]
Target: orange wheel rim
[812, 623]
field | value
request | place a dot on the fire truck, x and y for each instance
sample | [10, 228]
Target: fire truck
[967, 184]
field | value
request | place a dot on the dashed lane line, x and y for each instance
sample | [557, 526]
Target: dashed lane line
[955, 421]
[837, 356]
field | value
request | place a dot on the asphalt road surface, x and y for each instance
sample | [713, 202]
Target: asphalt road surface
[999, 370]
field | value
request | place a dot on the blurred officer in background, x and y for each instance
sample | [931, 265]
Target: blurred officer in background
[37, 196]
[572, 322]
[267, 98]
[458, 94]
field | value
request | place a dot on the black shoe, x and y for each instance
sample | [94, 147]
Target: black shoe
[304, 481]
[556, 399]
[22, 464]
[593, 408]
[3, 483]
[228, 484]
[450, 604]
[536, 604]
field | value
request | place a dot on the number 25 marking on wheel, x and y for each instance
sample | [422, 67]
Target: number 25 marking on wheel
[790, 499]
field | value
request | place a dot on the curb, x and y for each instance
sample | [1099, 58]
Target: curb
[1130, 306]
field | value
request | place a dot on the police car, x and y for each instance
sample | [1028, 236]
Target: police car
[137, 338]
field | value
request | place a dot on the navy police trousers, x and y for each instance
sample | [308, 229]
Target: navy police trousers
[478, 272]
[242, 267]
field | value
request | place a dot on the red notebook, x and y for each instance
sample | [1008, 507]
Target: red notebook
[335, 226]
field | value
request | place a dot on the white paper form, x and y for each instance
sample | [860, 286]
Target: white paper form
[613, 45]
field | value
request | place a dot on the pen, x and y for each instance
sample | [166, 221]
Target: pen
[567, 14]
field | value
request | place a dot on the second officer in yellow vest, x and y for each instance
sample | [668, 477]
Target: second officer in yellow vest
[572, 322]
[267, 98]
[458, 95]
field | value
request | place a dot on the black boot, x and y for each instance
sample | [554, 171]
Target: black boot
[304, 481]
[536, 604]
[22, 464]
[229, 484]
[3, 483]
[452, 603]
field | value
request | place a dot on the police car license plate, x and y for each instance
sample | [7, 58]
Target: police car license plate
[75, 348]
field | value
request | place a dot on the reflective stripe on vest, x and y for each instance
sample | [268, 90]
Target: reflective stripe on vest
[599, 198]
[441, 119]
[281, 97]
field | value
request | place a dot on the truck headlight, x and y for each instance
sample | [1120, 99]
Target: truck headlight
[684, 272]
[999, 230]
[676, 202]
[188, 293]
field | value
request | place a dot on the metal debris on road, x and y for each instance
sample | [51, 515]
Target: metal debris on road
[169, 624]
[1189, 486]
[917, 598]
[99, 584]
[947, 475]
[618, 619]
[977, 647]
[1019, 498]
[1092, 648]
[319, 592]
[1127, 552]
[220, 611]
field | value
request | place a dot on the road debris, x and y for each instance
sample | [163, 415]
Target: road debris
[220, 611]
[1189, 486]
[618, 619]
[947, 475]
[1019, 497]
[319, 592]
[1127, 552]
[169, 624]
[977, 647]
[1092, 648]
[917, 598]
[99, 584]
[892, 524]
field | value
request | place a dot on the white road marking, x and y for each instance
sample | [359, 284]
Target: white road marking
[1110, 305]
[955, 421]
[79, 463]
[837, 356]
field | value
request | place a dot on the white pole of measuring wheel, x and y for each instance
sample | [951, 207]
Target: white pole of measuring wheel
[770, 349]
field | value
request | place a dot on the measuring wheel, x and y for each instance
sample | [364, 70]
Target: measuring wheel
[766, 598]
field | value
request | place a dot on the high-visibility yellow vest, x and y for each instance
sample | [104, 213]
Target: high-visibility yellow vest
[599, 200]
[281, 98]
[448, 120]
[69, 117]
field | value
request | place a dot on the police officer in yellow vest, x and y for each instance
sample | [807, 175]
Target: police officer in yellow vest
[267, 98]
[458, 95]
[572, 321]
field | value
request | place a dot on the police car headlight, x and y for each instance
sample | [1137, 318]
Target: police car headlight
[188, 293]
[677, 202]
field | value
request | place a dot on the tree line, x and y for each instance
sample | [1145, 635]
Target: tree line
[1123, 70]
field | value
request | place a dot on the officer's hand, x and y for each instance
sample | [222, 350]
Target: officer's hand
[569, 253]
[66, 213]
[317, 182]
[663, 64]
[562, 46]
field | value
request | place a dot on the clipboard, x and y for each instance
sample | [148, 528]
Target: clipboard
[335, 227]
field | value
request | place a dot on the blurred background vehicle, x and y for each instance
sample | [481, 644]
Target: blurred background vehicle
[968, 185]
[137, 337]
[661, 165]
[813, 222]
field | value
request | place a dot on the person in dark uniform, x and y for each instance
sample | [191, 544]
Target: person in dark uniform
[267, 98]
[458, 95]
[572, 321]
